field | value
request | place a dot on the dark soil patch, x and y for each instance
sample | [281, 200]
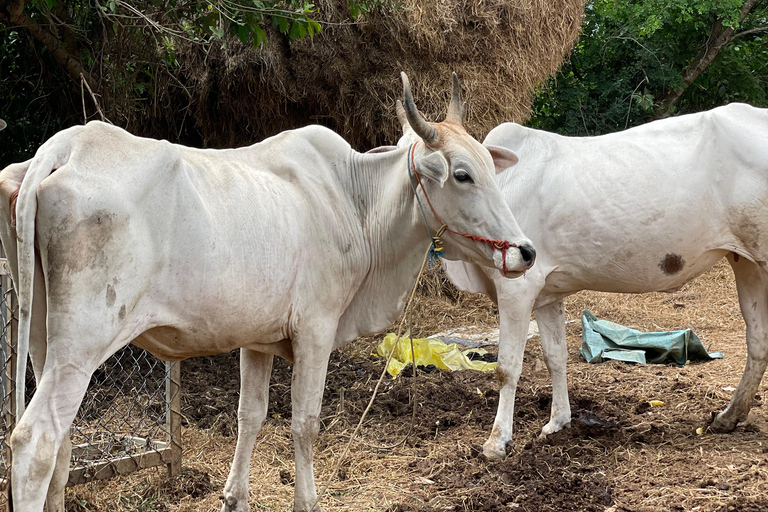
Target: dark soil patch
[578, 469]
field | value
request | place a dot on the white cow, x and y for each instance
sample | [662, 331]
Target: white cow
[647, 209]
[290, 247]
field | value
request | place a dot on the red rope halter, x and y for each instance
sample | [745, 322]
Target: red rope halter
[501, 245]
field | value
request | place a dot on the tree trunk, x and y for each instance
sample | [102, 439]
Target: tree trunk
[73, 66]
[719, 37]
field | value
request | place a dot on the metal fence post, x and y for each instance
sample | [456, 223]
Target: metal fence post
[173, 415]
[8, 350]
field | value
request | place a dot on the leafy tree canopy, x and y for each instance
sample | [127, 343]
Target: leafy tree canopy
[644, 59]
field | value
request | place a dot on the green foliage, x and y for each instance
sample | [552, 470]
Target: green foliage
[30, 120]
[632, 53]
[201, 19]
[367, 6]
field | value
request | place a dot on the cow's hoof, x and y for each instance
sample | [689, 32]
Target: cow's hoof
[721, 425]
[231, 504]
[553, 426]
[316, 508]
[493, 451]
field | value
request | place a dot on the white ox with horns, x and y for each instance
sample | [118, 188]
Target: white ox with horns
[290, 247]
[647, 209]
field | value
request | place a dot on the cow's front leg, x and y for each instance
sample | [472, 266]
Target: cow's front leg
[551, 320]
[311, 352]
[255, 370]
[515, 306]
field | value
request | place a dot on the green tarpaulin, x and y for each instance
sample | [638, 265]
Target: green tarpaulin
[601, 339]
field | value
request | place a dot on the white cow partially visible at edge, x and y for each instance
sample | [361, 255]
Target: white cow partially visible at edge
[290, 247]
[647, 209]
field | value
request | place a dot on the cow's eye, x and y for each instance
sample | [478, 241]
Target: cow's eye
[462, 176]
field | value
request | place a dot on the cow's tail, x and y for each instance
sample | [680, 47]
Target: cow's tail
[48, 158]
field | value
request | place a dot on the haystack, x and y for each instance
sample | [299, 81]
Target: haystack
[347, 78]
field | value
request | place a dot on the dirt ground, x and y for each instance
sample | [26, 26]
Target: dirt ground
[619, 455]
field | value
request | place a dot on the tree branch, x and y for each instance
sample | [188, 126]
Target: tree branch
[719, 37]
[15, 14]
[750, 31]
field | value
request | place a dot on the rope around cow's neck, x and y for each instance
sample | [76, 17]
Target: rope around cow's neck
[381, 377]
[437, 244]
[436, 250]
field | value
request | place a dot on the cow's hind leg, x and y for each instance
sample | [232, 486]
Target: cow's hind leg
[752, 285]
[38, 346]
[551, 320]
[255, 369]
[37, 439]
[54, 501]
[75, 349]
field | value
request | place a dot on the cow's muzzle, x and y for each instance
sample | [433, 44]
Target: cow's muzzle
[518, 259]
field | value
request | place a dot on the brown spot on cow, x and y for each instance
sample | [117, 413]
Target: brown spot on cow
[672, 264]
[111, 295]
[653, 217]
[502, 376]
[121, 314]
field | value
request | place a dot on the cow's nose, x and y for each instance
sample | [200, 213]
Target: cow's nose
[528, 254]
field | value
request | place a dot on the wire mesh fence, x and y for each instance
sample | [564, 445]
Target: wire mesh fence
[7, 385]
[130, 417]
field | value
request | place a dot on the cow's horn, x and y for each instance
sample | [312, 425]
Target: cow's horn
[457, 111]
[401, 116]
[422, 128]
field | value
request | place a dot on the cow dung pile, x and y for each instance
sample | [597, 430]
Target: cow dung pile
[347, 77]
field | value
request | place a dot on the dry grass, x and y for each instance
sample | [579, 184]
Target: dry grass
[347, 77]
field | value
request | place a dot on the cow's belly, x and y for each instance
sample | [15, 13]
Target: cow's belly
[175, 344]
[641, 273]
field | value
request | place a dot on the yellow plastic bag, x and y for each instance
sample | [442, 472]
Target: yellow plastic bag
[429, 351]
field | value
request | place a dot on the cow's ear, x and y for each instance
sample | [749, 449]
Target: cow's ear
[502, 158]
[433, 166]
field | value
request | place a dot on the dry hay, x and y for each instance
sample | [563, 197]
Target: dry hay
[620, 454]
[348, 76]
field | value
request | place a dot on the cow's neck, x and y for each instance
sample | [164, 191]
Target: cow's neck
[395, 238]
